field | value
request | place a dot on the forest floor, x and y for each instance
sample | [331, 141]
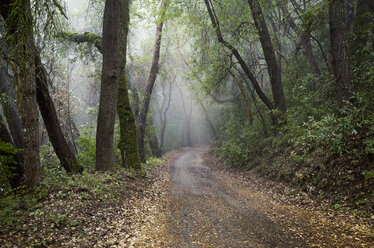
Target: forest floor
[206, 204]
[191, 200]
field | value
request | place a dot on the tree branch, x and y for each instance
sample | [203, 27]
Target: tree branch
[86, 37]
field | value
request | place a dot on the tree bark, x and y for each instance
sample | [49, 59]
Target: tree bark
[153, 141]
[187, 118]
[350, 6]
[151, 81]
[128, 143]
[214, 132]
[362, 23]
[270, 58]
[109, 86]
[10, 108]
[244, 98]
[164, 111]
[22, 32]
[48, 111]
[339, 51]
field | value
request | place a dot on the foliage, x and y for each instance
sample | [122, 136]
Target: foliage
[87, 150]
[6, 164]
[154, 162]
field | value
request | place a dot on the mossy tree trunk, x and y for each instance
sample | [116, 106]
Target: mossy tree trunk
[109, 86]
[128, 143]
[19, 23]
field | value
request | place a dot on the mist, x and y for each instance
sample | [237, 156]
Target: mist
[185, 124]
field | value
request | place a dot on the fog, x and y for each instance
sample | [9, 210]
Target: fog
[185, 123]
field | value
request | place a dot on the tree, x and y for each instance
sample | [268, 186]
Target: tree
[163, 109]
[10, 107]
[109, 85]
[19, 23]
[233, 51]
[151, 81]
[339, 52]
[270, 58]
[47, 109]
[187, 118]
[211, 126]
[128, 143]
[305, 42]
[48, 112]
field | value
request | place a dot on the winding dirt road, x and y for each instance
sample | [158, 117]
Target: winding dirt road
[205, 212]
[200, 204]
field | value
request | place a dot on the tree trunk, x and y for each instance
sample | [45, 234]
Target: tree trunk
[10, 108]
[151, 81]
[214, 132]
[362, 23]
[153, 141]
[270, 58]
[339, 51]
[350, 6]
[109, 86]
[128, 143]
[164, 111]
[187, 118]
[21, 32]
[47, 109]
[244, 98]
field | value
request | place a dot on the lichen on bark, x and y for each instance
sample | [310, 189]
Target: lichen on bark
[128, 143]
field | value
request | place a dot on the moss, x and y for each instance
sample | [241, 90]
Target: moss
[128, 143]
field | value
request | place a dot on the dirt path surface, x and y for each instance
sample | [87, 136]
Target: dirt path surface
[204, 205]
[207, 213]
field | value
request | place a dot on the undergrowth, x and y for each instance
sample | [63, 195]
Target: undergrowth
[323, 150]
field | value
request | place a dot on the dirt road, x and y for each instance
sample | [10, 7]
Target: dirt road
[200, 204]
[207, 213]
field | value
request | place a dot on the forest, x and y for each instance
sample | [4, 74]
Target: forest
[186, 123]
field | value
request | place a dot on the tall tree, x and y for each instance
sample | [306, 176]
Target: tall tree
[187, 118]
[163, 110]
[339, 51]
[11, 110]
[19, 22]
[142, 118]
[48, 111]
[128, 143]
[250, 75]
[211, 126]
[109, 85]
[269, 53]
[362, 23]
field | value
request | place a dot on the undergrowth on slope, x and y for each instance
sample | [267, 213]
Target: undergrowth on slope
[322, 150]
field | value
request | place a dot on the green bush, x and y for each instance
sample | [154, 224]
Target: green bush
[87, 151]
[6, 165]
